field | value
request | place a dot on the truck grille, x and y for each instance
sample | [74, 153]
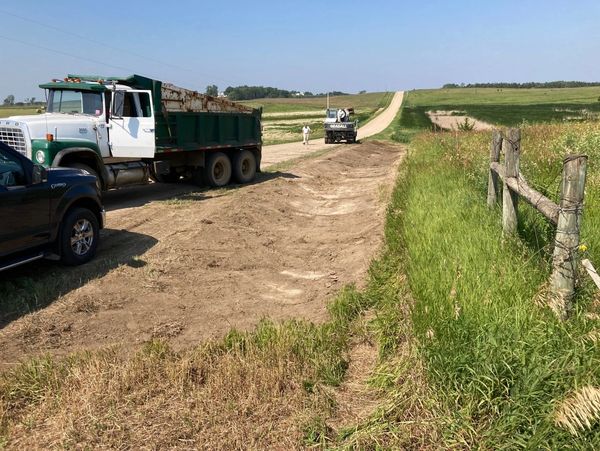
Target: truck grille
[14, 137]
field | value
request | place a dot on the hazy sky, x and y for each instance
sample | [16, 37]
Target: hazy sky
[305, 45]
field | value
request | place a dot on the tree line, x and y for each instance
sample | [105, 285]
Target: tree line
[263, 92]
[9, 100]
[529, 85]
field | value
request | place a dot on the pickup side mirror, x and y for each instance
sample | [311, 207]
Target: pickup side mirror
[39, 175]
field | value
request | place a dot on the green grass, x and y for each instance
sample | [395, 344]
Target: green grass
[500, 363]
[508, 107]
[372, 100]
[6, 111]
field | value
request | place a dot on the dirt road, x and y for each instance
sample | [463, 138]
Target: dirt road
[282, 152]
[193, 266]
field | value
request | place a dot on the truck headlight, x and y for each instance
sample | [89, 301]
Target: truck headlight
[40, 157]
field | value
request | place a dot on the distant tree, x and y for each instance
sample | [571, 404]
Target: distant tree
[362, 92]
[212, 90]
[255, 92]
[10, 100]
[32, 100]
[308, 94]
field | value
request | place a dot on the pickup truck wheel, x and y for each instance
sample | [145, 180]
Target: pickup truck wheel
[217, 171]
[244, 166]
[90, 171]
[79, 237]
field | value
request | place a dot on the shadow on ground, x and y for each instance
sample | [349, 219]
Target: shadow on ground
[35, 286]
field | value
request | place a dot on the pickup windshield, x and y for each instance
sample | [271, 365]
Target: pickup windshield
[70, 101]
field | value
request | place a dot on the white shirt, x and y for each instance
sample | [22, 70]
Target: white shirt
[306, 130]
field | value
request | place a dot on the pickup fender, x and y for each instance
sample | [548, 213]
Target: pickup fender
[82, 155]
[80, 195]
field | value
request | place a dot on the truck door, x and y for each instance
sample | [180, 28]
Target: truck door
[24, 209]
[131, 125]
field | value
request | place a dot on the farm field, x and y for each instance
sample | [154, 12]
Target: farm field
[508, 107]
[283, 119]
[7, 111]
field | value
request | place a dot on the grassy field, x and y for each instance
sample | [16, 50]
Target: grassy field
[507, 107]
[7, 111]
[283, 119]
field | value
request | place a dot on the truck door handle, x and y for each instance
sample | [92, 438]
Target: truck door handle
[148, 130]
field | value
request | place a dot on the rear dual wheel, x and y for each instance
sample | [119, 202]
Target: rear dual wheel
[219, 169]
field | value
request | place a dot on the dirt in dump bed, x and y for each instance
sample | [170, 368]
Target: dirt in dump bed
[195, 265]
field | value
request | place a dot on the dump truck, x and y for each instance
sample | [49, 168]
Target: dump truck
[126, 130]
[339, 125]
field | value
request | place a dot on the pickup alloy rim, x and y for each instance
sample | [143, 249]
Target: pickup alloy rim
[82, 237]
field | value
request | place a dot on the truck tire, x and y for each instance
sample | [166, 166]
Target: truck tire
[217, 171]
[90, 171]
[79, 237]
[244, 166]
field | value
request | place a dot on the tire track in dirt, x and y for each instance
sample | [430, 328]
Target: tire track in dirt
[279, 248]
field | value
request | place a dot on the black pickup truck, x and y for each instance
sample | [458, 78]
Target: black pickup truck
[46, 213]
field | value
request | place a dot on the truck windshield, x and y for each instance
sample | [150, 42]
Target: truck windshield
[69, 101]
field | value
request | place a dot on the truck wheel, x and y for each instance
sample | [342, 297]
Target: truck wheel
[217, 171]
[79, 237]
[244, 166]
[90, 171]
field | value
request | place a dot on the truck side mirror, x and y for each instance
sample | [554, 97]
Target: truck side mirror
[39, 175]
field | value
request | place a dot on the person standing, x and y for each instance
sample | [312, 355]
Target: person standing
[305, 134]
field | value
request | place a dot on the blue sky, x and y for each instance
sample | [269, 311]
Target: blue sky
[310, 45]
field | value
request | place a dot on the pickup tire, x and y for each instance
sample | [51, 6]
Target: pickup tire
[79, 235]
[217, 172]
[244, 166]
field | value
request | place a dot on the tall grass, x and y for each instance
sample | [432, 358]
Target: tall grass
[500, 362]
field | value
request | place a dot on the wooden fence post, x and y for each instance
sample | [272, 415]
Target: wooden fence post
[495, 148]
[564, 259]
[511, 145]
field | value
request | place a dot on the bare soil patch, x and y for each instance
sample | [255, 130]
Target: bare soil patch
[450, 120]
[227, 258]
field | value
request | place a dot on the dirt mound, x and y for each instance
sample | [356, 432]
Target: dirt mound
[194, 266]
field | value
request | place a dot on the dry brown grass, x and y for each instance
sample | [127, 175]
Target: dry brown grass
[244, 395]
[579, 411]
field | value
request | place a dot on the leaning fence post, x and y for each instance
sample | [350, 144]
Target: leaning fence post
[511, 145]
[492, 197]
[564, 259]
